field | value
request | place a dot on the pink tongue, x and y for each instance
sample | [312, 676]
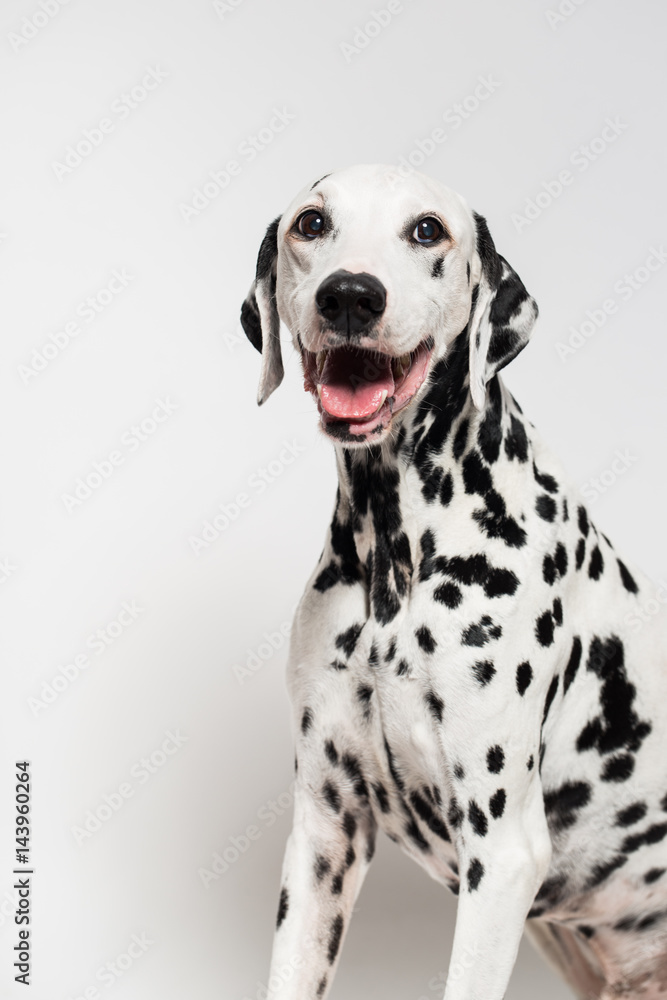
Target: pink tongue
[353, 384]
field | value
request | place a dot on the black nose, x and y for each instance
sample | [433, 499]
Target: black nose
[351, 303]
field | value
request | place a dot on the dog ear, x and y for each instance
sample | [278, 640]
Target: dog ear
[502, 316]
[259, 315]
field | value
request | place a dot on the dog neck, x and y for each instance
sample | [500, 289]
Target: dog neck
[444, 440]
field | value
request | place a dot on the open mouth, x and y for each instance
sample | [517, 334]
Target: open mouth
[359, 391]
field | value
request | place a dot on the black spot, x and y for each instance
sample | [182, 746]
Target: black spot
[459, 772]
[465, 570]
[436, 705]
[596, 564]
[373, 656]
[484, 671]
[350, 856]
[493, 519]
[429, 816]
[551, 889]
[618, 768]
[332, 795]
[495, 522]
[477, 818]
[455, 814]
[364, 694]
[557, 611]
[306, 721]
[617, 726]
[500, 582]
[322, 986]
[561, 559]
[587, 931]
[546, 481]
[544, 629]
[603, 871]
[347, 640]
[461, 439]
[651, 919]
[580, 553]
[530, 763]
[448, 594]
[388, 567]
[549, 570]
[425, 639]
[381, 796]
[566, 512]
[391, 651]
[335, 935]
[524, 675]
[322, 867]
[370, 847]
[468, 270]
[653, 835]
[497, 803]
[349, 824]
[438, 267]
[475, 873]
[331, 752]
[353, 771]
[328, 577]
[516, 441]
[633, 813]
[551, 694]
[561, 804]
[489, 436]
[546, 507]
[283, 906]
[393, 770]
[495, 759]
[572, 664]
[338, 665]
[402, 668]
[582, 520]
[446, 489]
[653, 874]
[432, 484]
[415, 835]
[481, 632]
[627, 578]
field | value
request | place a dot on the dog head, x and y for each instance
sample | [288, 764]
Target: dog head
[375, 275]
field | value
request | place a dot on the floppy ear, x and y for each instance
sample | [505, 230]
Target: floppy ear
[259, 315]
[502, 316]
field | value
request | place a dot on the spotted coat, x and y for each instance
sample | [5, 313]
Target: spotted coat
[471, 673]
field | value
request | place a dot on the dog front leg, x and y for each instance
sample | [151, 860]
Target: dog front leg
[328, 853]
[499, 881]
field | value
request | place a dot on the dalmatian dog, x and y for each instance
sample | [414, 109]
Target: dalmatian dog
[472, 669]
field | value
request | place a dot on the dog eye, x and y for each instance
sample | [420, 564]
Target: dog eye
[429, 230]
[310, 224]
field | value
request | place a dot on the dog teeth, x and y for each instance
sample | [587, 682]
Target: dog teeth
[382, 399]
[401, 365]
[321, 358]
[319, 390]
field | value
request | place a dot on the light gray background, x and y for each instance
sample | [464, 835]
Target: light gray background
[172, 333]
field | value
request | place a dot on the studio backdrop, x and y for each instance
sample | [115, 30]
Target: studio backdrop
[157, 528]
